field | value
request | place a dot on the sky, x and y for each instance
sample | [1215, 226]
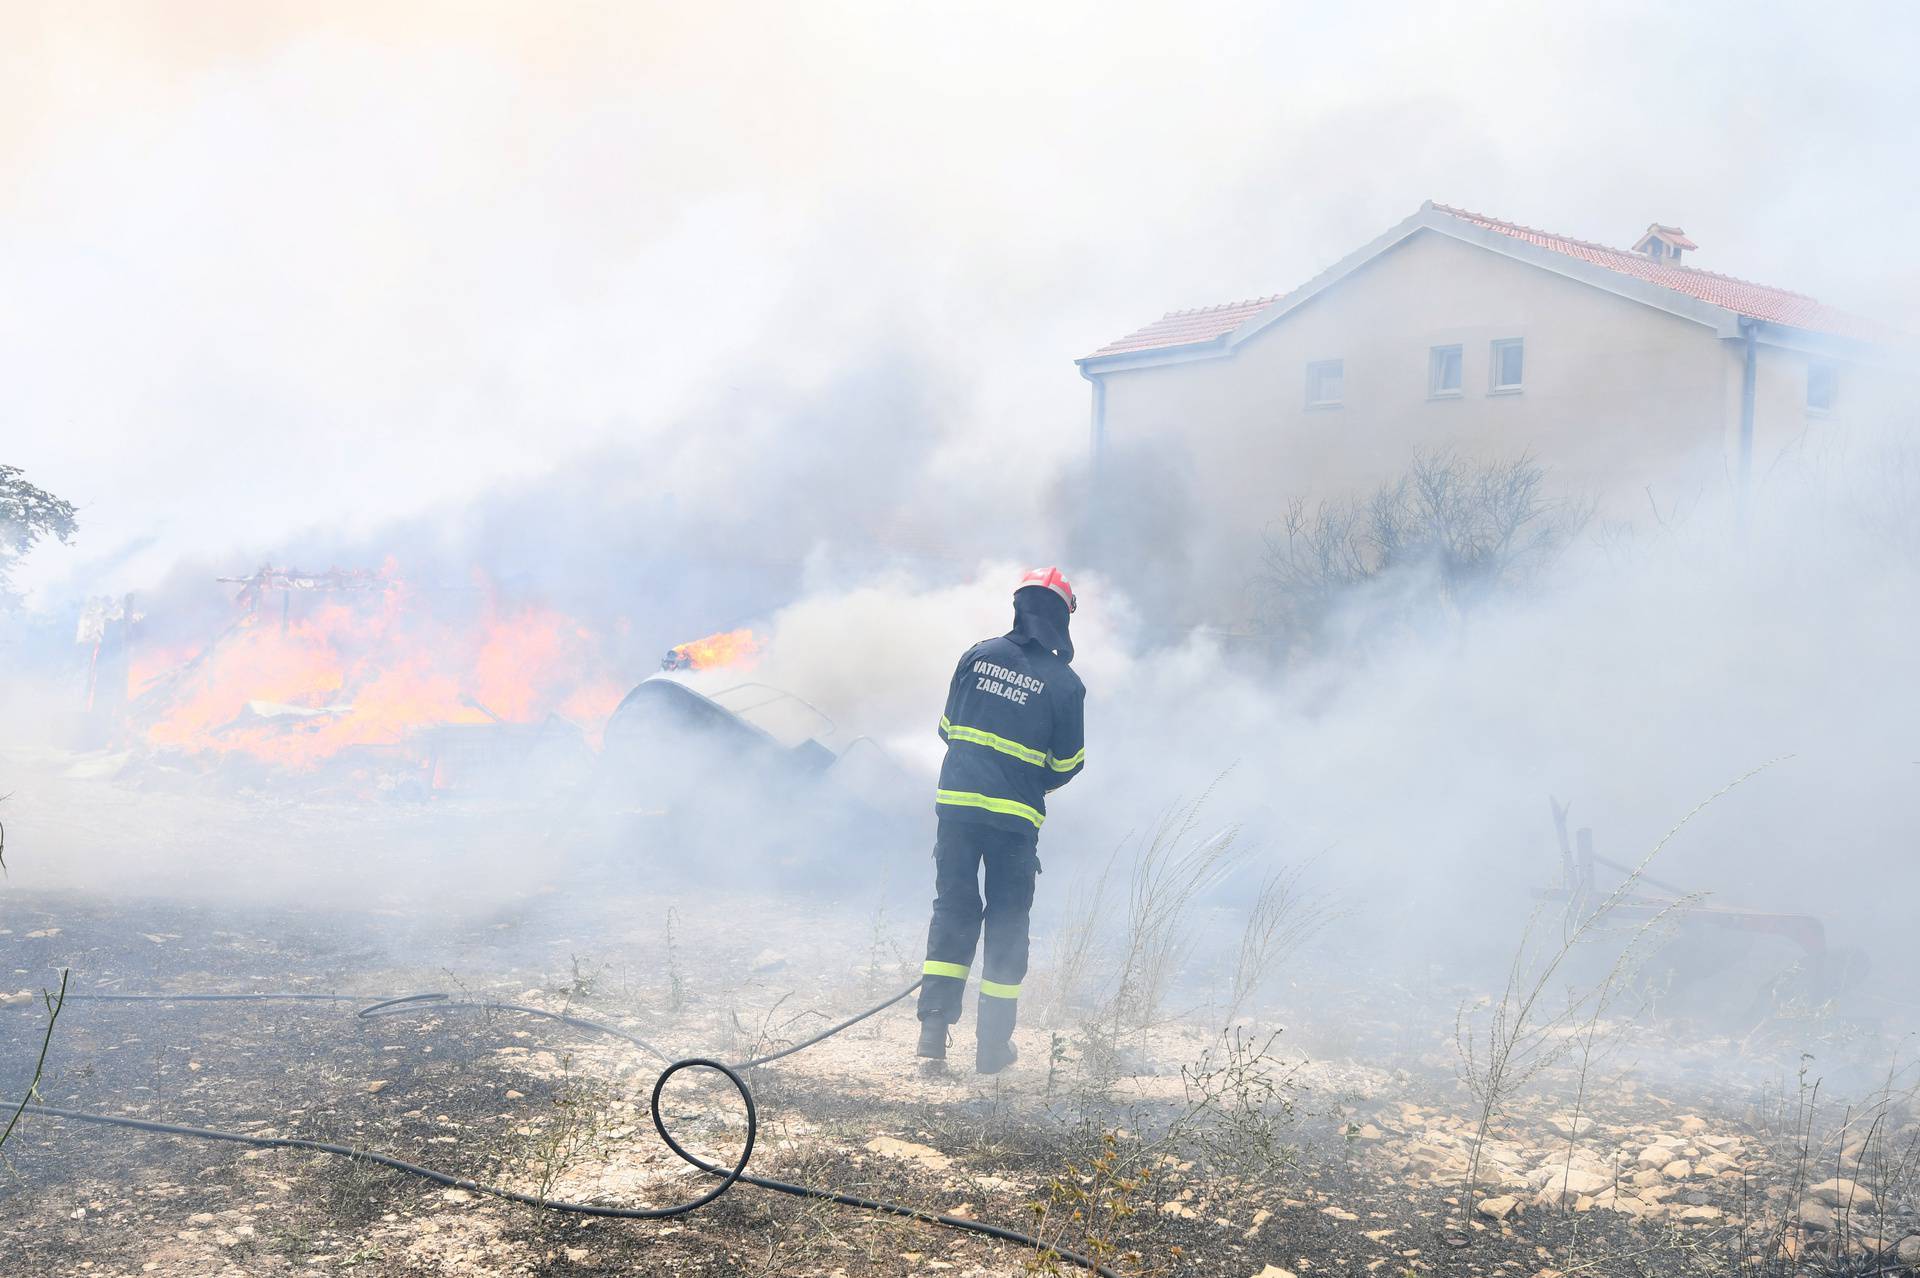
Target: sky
[650, 297]
[272, 268]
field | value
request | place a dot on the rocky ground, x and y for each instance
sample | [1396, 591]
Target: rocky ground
[1334, 1168]
[1339, 1145]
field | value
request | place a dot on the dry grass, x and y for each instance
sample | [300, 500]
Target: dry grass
[1284, 917]
[53, 1002]
[1536, 1022]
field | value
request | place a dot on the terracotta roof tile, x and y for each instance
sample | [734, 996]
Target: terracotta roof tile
[1743, 297]
[1185, 328]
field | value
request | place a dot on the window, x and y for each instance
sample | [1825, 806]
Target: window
[1507, 364]
[1443, 372]
[1326, 383]
[1823, 382]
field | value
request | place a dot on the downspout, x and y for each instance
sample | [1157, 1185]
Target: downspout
[1098, 441]
[1097, 448]
[1747, 379]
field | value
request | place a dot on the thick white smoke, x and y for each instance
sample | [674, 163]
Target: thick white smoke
[1633, 682]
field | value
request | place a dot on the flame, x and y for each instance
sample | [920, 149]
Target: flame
[148, 667]
[370, 668]
[729, 648]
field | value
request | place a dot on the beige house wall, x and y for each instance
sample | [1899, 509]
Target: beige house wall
[1868, 396]
[1627, 405]
[1616, 395]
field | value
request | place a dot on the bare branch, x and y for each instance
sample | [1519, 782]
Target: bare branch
[54, 1003]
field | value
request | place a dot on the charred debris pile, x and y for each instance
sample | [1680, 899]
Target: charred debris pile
[361, 682]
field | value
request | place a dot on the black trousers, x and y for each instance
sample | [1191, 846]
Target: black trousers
[1012, 860]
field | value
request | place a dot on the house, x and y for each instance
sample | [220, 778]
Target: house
[1621, 370]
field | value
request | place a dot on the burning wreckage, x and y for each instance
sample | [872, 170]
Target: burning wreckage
[354, 680]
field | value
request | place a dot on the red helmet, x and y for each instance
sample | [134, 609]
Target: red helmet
[1050, 579]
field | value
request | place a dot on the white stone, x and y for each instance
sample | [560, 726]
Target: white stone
[894, 1147]
[1839, 1192]
[1498, 1207]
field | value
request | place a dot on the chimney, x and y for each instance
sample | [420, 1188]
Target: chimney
[1664, 243]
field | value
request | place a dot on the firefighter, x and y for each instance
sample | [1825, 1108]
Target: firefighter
[1014, 731]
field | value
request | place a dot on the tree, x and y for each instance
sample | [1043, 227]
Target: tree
[1444, 537]
[28, 514]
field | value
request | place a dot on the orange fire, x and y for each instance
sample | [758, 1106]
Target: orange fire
[374, 668]
[148, 667]
[730, 648]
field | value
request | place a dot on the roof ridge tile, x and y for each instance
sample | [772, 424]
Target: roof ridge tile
[1485, 220]
[1210, 324]
[1224, 306]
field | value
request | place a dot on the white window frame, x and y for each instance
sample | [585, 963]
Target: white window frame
[1832, 374]
[1315, 369]
[1494, 385]
[1435, 361]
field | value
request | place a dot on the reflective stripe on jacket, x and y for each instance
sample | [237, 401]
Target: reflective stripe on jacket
[1014, 730]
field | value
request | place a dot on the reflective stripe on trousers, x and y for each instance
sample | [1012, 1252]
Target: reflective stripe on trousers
[961, 914]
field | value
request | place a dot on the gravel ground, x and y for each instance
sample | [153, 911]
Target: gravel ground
[1338, 1147]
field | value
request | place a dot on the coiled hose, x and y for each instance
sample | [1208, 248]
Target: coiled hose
[729, 1176]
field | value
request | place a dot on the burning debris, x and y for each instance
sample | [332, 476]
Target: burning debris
[105, 626]
[728, 648]
[320, 668]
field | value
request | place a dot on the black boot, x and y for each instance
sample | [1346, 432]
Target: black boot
[933, 1040]
[993, 1036]
[992, 1057]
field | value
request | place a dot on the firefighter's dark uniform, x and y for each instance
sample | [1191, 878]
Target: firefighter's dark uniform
[1014, 730]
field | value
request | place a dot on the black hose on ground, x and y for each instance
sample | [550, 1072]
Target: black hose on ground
[729, 1177]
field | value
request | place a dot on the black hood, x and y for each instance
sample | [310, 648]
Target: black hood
[1040, 616]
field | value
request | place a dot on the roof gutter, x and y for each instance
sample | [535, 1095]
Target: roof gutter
[1154, 356]
[1809, 341]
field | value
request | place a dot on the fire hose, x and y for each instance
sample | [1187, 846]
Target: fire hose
[729, 1176]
